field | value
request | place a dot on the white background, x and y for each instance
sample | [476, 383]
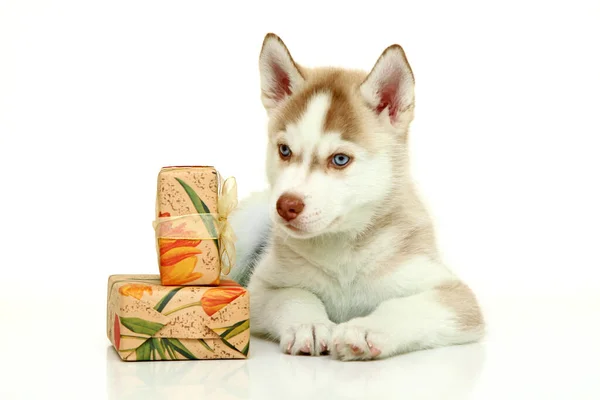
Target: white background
[96, 96]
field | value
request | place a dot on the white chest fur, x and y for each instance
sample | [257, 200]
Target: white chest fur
[350, 282]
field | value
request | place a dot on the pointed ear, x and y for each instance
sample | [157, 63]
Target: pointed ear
[389, 87]
[279, 74]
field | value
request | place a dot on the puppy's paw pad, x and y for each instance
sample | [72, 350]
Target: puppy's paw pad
[355, 343]
[307, 339]
[374, 350]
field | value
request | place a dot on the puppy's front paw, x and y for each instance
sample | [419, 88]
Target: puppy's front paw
[355, 342]
[307, 339]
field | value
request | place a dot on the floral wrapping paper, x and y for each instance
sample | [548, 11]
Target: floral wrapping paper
[188, 252]
[147, 321]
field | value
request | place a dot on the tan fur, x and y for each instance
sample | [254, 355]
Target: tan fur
[365, 253]
[271, 36]
[345, 113]
[460, 298]
[402, 214]
[390, 48]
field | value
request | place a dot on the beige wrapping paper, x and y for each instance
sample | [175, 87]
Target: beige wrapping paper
[147, 321]
[194, 242]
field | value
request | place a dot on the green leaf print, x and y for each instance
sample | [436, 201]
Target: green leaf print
[178, 347]
[141, 326]
[226, 343]
[203, 343]
[200, 207]
[143, 352]
[160, 348]
[235, 329]
[160, 306]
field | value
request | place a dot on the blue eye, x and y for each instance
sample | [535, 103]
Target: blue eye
[341, 160]
[284, 150]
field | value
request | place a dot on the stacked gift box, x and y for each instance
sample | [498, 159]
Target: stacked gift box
[189, 310]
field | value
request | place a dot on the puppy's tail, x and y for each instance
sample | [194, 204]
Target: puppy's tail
[251, 223]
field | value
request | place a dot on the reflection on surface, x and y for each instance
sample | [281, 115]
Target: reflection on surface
[202, 379]
[448, 373]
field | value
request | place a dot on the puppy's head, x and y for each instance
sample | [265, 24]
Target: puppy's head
[336, 138]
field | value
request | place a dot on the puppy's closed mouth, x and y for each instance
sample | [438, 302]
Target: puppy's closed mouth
[293, 228]
[304, 230]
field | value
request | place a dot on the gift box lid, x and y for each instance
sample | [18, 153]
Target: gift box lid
[139, 308]
[184, 190]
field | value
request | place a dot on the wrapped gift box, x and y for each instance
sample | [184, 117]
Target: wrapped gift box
[190, 211]
[147, 321]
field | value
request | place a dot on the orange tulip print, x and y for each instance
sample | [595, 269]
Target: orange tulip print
[228, 282]
[135, 290]
[215, 299]
[178, 260]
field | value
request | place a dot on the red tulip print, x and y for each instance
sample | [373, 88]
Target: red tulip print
[117, 332]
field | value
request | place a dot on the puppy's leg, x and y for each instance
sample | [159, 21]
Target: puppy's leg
[447, 314]
[294, 317]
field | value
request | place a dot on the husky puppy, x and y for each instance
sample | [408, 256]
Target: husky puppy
[339, 254]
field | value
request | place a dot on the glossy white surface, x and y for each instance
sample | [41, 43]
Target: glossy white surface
[95, 97]
[542, 347]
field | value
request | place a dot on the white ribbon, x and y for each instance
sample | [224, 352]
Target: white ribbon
[228, 202]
